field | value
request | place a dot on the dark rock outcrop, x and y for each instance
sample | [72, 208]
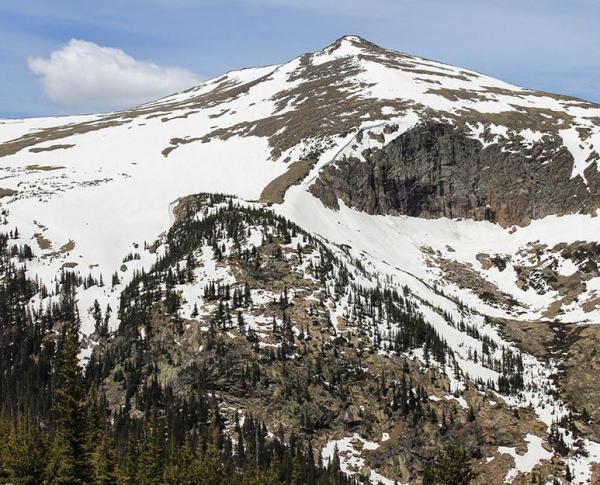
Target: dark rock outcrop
[436, 170]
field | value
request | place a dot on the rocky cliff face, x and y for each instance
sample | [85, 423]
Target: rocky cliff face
[436, 170]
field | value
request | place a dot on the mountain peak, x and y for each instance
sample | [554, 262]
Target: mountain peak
[350, 40]
[355, 39]
[346, 46]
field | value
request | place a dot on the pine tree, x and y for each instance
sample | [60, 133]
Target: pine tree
[94, 423]
[178, 471]
[103, 462]
[149, 470]
[97, 316]
[451, 467]
[208, 468]
[568, 474]
[68, 461]
[471, 414]
[23, 452]
[62, 467]
[585, 415]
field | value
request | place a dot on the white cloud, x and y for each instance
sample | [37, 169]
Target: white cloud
[84, 75]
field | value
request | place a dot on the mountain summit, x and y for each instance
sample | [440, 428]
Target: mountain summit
[353, 126]
[312, 102]
[388, 253]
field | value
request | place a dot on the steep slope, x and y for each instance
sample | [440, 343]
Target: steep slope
[474, 199]
[291, 329]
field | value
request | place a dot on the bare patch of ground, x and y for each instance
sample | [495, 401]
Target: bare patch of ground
[183, 116]
[275, 191]
[177, 142]
[465, 276]
[533, 337]
[591, 305]
[65, 248]
[56, 133]
[50, 148]
[68, 246]
[43, 243]
[569, 288]
[43, 168]
[7, 192]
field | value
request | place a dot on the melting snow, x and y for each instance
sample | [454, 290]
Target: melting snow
[525, 463]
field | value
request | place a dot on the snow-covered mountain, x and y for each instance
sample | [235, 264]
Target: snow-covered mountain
[480, 197]
[105, 182]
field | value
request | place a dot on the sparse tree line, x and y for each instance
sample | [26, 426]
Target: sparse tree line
[58, 427]
[61, 427]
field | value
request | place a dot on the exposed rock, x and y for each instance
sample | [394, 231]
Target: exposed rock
[46, 168]
[435, 170]
[51, 148]
[351, 416]
[581, 368]
[7, 192]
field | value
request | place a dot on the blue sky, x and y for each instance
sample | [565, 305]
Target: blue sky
[162, 45]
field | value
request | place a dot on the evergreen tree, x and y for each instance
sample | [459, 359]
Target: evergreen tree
[22, 453]
[104, 462]
[68, 463]
[149, 462]
[179, 470]
[451, 467]
[62, 467]
[208, 469]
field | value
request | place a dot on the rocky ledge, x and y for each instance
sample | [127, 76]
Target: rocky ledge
[437, 170]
